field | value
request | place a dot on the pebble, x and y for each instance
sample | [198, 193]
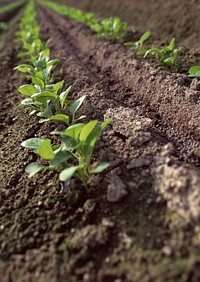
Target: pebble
[116, 190]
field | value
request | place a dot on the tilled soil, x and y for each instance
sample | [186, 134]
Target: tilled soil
[140, 220]
[165, 19]
[11, 13]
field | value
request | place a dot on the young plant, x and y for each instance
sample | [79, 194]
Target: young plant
[12, 5]
[44, 100]
[194, 72]
[41, 67]
[137, 45]
[63, 102]
[111, 28]
[73, 156]
[167, 56]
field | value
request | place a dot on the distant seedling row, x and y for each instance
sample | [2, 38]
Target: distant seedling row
[11, 6]
[114, 29]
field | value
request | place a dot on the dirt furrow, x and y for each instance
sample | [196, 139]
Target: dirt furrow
[113, 90]
[49, 233]
[107, 97]
[166, 93]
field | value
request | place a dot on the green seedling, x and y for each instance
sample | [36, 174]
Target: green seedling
[76, 148]
[111, 28]
[194, 72]
[137, 45]
[167, 56]
[41, 68]
[45, 100]
[73, 108]
[11, 6]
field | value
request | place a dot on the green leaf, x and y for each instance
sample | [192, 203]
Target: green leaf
[27, 89]
[24, 68]
[171, 44]
[106, 122]
[101, 167]
[53, 63]
[81, 117]
[87, 129]
[63, 96]
[58, 86]
[30, 102]
[45, 53]
[75, 106]
[40, 64]
[132, 45]
[144, 37]
[60, 117]
[32, 143]
[38, 81]
[74, 130]
[45, 150]
[67, 173]
[60, 158]
[46, 114]
[194, 71]
[46, 93]
[33, 168]
[169, 60]
[153, 52]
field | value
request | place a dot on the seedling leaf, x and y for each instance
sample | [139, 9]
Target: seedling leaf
[101, 167]
[33, 168]
[32, 143]
[38, 81]
[87, 129]
[27, 89]
[63, 96]
[67, 173]
[24, 68]
[59, 159]
[60, 117]
[75, 106]
[194, 71]
[74, 130]
[45, 150]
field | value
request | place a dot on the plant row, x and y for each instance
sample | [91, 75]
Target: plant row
[10, 6]
[72, 155]
[113, 28]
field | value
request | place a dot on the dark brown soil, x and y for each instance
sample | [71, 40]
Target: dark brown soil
[165, 19]
[48, 233]
[5, 17]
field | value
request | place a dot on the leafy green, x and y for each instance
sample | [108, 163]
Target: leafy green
[137, 45]
[194, 72]
[77, 144]
[167, 56]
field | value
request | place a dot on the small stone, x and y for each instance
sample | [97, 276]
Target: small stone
[167, 250]
[107, 223]
[116, 190]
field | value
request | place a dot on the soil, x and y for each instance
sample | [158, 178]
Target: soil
[165, 19]
[139, 220]
[9, 14]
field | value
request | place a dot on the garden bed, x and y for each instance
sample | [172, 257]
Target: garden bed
[140, 219]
